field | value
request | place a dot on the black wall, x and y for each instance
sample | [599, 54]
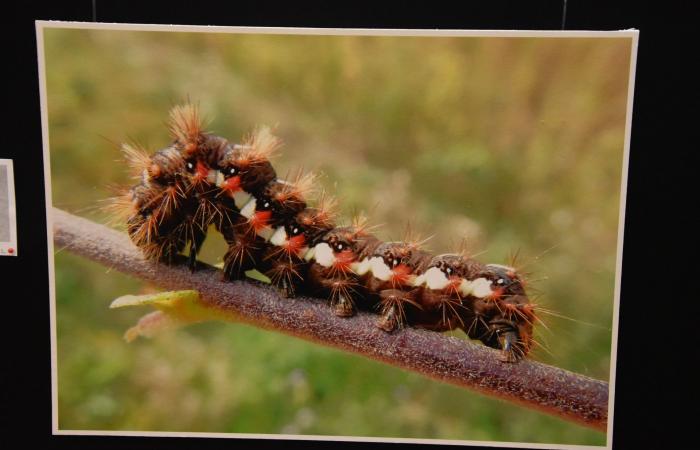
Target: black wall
[659, 289]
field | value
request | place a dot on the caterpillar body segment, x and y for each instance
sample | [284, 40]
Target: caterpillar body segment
[334, 271]
[286, 261]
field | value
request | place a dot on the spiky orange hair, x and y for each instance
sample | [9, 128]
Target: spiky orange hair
[259, 145]
[185, 124]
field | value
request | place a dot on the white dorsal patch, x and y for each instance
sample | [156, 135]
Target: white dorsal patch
[212, 175]
[361, 267]
[323, 253]
[241, 198]
[266, 232]
[219, 178]
[279, 237]
[435, 279]
[379, 268]
[310, 253]
[418, 280]
[480, 288]
[465, 288]
[249, 209]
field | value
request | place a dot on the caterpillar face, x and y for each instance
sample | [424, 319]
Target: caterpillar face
[508, 312]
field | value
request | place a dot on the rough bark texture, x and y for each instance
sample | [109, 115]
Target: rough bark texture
[531, 384]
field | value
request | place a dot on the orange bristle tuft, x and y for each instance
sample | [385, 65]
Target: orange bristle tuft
[260, 145]
[137, 158]
[119, 208]
[298, 189]
[360, 223]
[327, 208]
[186, 125]
[413, 239]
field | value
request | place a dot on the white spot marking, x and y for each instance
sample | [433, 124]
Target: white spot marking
[241, 198]
[481, 287]
[266, 232]
[323, 253]
[435, 279]
[219, 178]
[379, 268]
[249, 209]
[310, 253]
[361, 267]
[279, 237]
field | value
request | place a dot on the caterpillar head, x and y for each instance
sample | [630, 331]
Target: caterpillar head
[508, 312]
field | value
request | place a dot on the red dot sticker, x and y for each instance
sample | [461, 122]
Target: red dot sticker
[10, 250]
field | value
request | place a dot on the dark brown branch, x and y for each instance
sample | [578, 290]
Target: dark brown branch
[549, 389]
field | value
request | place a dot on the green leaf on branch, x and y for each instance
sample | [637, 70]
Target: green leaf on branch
[174, 309]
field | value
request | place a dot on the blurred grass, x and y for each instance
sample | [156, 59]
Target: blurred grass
[512, 144]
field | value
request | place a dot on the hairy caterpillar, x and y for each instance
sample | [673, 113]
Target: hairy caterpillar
[202, 180]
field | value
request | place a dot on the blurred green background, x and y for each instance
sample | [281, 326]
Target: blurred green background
[511, 144]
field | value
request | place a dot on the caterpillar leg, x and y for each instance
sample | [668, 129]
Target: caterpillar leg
[510, 351]
[195, 247]
[341, 298]
[393, 313]
[285, 276]
[389, 321]
[344, 306]
[504, 335]
[240, 258]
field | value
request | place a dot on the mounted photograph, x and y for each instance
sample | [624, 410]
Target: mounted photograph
[335, 234]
